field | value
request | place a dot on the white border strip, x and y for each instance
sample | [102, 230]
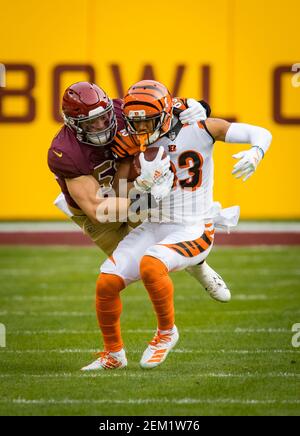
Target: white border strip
[69, 226]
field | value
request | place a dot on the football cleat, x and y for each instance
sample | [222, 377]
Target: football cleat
[108, 360]
[159, 348]
[211, 281]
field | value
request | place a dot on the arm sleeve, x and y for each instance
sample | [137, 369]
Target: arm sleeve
[247, 134]
[123, 146]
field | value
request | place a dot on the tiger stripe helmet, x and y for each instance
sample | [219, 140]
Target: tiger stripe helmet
[147, 112]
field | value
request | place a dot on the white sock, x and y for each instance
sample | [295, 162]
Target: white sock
[168, 332]
[119, 354]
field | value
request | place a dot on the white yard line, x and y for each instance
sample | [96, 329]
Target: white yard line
[125, 374]
[41, 314]
[243, 270]
[91, 314]
[180, 351]
[59, 298]
[238, 330]
[141, 401]
[46, 299]
[129, 298]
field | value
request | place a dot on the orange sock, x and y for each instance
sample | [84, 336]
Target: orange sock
[109, 309]
[161, 290]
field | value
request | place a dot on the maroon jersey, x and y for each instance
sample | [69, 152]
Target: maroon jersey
[68, 158]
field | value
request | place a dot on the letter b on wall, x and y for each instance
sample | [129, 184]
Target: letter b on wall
[17, 94]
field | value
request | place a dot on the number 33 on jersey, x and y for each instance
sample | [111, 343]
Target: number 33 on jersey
[191, 157]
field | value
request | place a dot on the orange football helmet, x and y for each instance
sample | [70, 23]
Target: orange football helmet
[147, 112]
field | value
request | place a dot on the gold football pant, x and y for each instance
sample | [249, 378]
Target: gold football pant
[105, 235]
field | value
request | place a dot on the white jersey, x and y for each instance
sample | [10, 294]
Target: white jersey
[191, 154]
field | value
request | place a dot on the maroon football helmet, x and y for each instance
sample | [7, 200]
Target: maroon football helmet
[89, 111]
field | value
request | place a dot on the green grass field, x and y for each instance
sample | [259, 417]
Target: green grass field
[231, 359]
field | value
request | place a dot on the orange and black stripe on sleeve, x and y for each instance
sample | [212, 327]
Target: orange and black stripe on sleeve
[179, 105]
[123, 146]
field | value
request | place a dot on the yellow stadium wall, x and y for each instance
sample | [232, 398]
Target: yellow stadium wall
[234, 52]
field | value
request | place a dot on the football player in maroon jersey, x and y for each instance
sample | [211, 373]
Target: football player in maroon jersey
[82, 160]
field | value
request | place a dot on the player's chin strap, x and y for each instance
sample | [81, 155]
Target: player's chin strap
[146, 139]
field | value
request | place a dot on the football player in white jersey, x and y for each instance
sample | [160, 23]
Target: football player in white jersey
[179, 233]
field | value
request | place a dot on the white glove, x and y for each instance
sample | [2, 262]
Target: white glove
[151, 171]
[248, 163]
[163, 186]
[142, 185]
[194, 113]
